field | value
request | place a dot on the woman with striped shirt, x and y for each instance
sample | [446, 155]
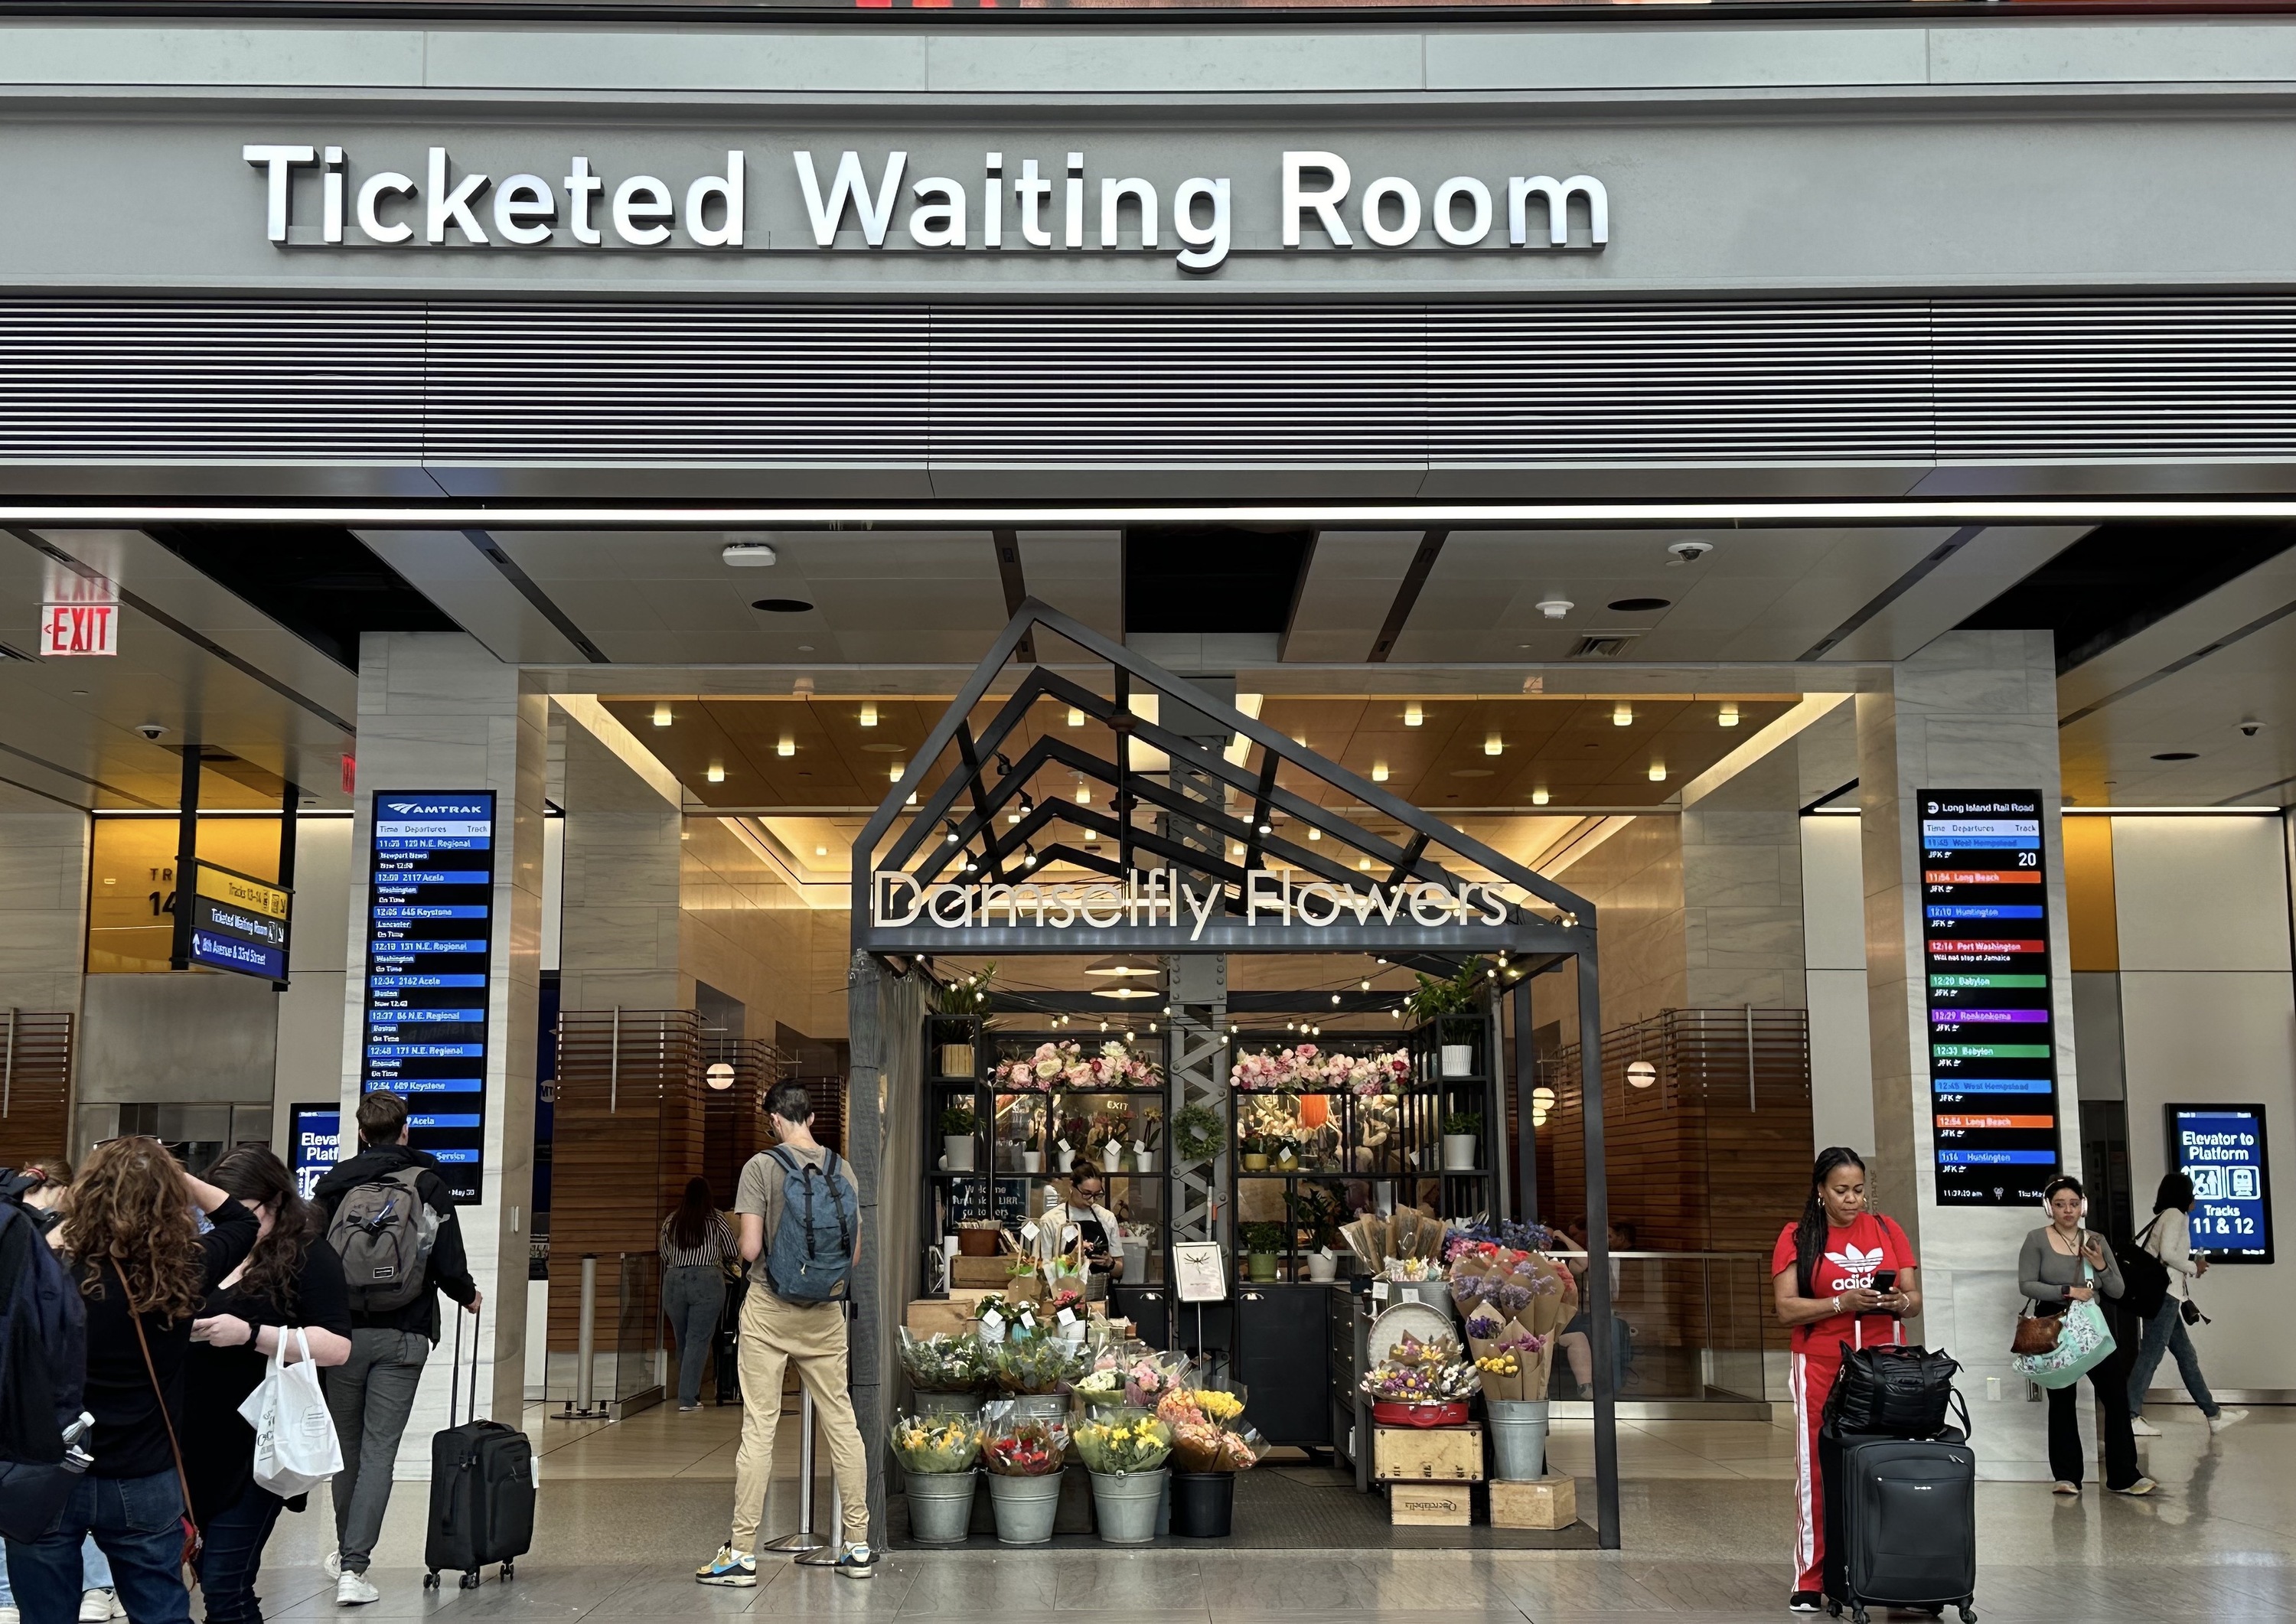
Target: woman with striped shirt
[697, 1245]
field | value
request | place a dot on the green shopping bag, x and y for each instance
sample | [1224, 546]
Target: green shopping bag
[2084, 1342]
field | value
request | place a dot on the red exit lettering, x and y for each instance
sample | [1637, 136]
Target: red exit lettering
[80, 628]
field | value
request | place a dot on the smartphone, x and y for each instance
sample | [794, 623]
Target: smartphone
[1885, 1281]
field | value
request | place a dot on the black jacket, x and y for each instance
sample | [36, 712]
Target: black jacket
[450, 1268]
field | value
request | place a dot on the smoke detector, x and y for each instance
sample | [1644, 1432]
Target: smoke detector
[1554, 609]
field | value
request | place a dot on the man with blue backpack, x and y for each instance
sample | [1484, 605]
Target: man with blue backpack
[800, 1235]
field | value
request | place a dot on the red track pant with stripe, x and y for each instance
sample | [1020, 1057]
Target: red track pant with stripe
[1812, 1380]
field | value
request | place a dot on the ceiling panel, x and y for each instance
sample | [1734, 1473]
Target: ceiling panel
[1352, 579]
[1081, 574]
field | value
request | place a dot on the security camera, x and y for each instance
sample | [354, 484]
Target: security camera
[150, 730]
[2250, 728]
[1690, 552]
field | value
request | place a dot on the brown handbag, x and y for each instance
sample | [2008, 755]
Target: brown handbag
[2035, 1333]
[194, 1541]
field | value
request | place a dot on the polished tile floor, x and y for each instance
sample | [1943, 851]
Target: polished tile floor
[628, 1510]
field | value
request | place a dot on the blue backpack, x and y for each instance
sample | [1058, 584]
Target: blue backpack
[42, 1372]
[812, 1251]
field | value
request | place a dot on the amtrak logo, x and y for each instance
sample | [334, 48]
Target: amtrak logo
[1857, 1268]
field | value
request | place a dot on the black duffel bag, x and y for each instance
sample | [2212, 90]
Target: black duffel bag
[1895, 1393]
[2144, 1277]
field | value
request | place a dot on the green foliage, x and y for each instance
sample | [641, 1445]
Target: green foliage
[968, 997]
[956, 1121]
[1465, 1122]
[1197, 1135]
[1264, 1237]
[1456, 996]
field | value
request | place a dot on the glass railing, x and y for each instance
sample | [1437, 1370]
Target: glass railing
[626, 1359]
[1689, 1327]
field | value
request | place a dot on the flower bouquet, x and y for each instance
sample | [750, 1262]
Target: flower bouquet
[1152, 1375]
[1205, 1434]
[1100, 1390]
[946, 1362]
[1024, 1456]
[1032, 1448]
[1036, 1363]
[931, 1445]
[1126, 1439]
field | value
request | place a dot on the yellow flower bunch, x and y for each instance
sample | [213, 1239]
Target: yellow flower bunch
[1499, 1365]
[936, 1443]
[1218, 1405]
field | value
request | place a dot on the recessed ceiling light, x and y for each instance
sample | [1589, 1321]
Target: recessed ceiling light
[1314, 834]
[821, 851]
[1640, 606]
[749, 555]
[661, 715]
[1413, 716]
[894, 773]
[1554, 609]
[1622, 716]
[868, 716]
[1364, 863]
[1658, 772]
[1728, 716]
[787, 747]
[1379, 772]
[1076, 716]
[1494, 745]
[784, 606]
[717, 773]
[2177, 755]
[1538, 797]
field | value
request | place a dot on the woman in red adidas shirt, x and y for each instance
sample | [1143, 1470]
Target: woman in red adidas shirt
[1822, 1274]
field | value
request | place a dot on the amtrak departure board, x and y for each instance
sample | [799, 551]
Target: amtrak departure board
[429, 937]
[1993, 1051]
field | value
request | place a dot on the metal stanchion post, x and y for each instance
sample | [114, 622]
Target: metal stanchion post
[805, 1540]
[581, 1407]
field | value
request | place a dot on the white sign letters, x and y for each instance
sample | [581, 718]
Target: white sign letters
[855, 203]
[897, 900]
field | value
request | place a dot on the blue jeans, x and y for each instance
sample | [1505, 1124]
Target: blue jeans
[235, 1538]
[694, 1299]
[138, 1522]
[95, 1573]
[2165, 1332]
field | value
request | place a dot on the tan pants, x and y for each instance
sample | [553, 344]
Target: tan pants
[775, 1334]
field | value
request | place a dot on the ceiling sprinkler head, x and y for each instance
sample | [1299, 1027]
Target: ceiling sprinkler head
[1688, 552]
[1554, 609]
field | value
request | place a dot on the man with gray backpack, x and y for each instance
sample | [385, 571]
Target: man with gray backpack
[800, 1235]
[390, 1219]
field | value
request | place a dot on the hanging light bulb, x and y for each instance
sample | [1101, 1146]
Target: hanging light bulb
[1084, 794]
[1029, 860]
[1336, 1000]
[1287, 1026]
[1367, 986]
[1092, 837]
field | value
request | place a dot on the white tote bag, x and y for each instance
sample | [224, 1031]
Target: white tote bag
[295, 1445]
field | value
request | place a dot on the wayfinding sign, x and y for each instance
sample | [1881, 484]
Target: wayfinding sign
[1992, 1039]
[2220, 1148]
[430, 938]
[239, 924]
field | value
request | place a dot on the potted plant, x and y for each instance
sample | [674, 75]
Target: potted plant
[1024, 1457]
[1284, 1152]
[1125, 1450]
[1253, 1150]
[937, 1453]
[1320, 1212]
[1262, 1243]
[956, 1125]
[1431, 1000]
[968, 997]
[1462, 1136]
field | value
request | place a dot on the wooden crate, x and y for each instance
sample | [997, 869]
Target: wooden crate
[1427, 1454]
[931, 1315]
[990, 1273]
[1545, 1502]
[1426, 1506]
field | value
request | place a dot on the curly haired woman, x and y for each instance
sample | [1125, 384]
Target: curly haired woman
[143, 1267]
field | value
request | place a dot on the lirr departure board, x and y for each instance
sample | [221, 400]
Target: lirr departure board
[430, 941]
[1993, 1050]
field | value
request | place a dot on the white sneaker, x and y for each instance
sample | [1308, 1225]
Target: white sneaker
[9, 1615]
[2143, 1428]
[2227, 1417]
[352, 1590]
[333, 1566]
[100, 1607]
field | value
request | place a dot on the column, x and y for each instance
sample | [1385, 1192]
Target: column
[1742, 888]
[44, 882]
[619, 921]
[1973, 710]
[438, 713]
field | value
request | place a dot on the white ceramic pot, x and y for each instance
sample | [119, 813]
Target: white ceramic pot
[959, 1152]
[1320, 1268]
[1459, 1153]
[1458, 1060]
[1111, 1157]
[1032, 1161]
[1144, 1161]
[1062, 1160]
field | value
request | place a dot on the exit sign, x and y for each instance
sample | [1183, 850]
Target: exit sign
[80, 628]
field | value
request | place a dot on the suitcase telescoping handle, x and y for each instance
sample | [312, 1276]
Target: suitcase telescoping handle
[455, 1385]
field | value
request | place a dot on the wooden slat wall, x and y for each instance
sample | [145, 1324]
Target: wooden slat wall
[35, 1087]
[627, 1137]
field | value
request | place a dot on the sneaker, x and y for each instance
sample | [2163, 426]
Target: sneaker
[98, 1607]
[333, 1566]
[2141, 1486]
[352, 1590]
[2227, 1417]
[2143, 1428]
[688, 1409]
[1805, 1601]
[857, 1562]
[9, 1615]
[738, 1569]
[2062, 1486]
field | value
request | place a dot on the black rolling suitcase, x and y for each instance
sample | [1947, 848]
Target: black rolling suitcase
[1900, 1523]
[729, 1345]
[482, 1487]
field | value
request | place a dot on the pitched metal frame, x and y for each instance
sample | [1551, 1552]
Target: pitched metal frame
[1567, 940]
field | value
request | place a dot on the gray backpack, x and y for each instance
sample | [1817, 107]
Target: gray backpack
[383, 1231]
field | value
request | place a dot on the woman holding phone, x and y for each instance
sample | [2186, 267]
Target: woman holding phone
[1842, 1278]
[2061, 1263]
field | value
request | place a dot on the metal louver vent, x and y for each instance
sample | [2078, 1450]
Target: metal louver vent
[1602, 646]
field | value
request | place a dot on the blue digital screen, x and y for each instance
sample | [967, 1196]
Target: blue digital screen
[2220, 1148]
[430, 944]
[316, 1138]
